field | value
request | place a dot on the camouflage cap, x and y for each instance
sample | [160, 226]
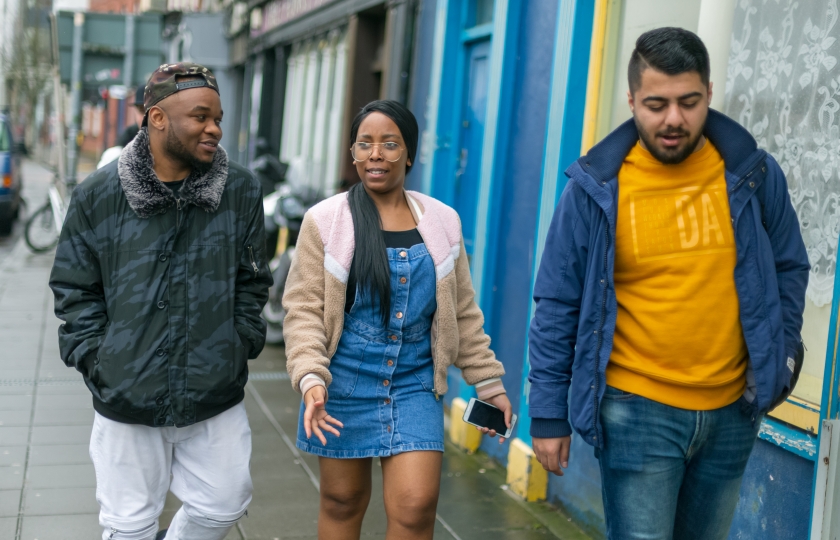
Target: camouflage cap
[164, 82]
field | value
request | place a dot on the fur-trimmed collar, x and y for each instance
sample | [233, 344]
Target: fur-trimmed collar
[148, 196]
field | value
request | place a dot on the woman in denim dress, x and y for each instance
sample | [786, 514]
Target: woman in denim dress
[382, 401]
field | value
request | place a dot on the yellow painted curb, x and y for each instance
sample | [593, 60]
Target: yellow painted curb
[525, 476]
[462, 434]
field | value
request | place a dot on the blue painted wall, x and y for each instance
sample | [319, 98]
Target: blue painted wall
[578, 491]
[421, 75]
[776, 496]
[515, 218]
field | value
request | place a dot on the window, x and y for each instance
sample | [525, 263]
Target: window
[782, 86]
[5, 138]
[483, 12]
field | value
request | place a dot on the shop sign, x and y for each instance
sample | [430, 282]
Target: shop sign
[278, 12]
[118, 91]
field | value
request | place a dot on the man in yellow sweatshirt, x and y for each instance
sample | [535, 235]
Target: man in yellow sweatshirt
[669, 303]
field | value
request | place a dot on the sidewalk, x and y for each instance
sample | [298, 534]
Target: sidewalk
[47, 483]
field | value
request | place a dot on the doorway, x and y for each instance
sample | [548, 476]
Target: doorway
[471, 137]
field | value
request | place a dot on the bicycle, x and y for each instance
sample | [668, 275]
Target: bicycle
[43, 227]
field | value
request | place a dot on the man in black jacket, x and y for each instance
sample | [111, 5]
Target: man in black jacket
[160, 280]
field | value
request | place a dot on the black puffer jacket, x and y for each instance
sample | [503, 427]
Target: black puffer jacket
[161, 297]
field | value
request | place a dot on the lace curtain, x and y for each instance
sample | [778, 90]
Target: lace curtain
[783, 84]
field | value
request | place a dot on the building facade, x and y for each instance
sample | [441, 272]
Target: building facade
[307, 67]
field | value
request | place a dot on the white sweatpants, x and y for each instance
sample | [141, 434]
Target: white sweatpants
[209, 464]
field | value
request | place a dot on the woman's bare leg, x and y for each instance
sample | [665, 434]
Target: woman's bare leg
[411, 485]
[345, 494]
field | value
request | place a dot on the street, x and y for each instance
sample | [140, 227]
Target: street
[47, 481]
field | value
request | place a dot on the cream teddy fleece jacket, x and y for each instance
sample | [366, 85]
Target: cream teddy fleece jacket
[317, 285]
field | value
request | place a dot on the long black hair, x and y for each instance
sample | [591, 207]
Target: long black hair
[370, 262]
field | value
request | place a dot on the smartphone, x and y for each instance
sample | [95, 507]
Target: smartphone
[484, 415]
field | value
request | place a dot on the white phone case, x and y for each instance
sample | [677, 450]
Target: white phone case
[468, 411]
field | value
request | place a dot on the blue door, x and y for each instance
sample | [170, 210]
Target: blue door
[473, 113]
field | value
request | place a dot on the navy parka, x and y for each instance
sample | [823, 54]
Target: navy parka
[572, 330]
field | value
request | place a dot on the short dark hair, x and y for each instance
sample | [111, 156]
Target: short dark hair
[669, 50]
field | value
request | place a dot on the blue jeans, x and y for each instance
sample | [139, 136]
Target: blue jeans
[669, 473]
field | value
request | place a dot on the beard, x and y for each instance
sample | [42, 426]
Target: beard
[176, 150]
[669, 156]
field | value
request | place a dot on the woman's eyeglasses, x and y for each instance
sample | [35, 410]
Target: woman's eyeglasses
[390, 151]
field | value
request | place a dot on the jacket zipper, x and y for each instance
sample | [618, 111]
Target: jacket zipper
[253, 261]
[761, 165]
[178, 215]
[597, 386]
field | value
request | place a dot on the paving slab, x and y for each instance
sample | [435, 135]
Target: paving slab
[73, 527]
[9, 502]
[76, 400]
[16, 352]
[67, 389]
[11, 477]
[42, 435]
[8, 335]
[59, 417]
[61, 501]
[16, 402]
[61, 476]
[15, 390]
[60, 454]
[11, 455]
[14, 436]
[51, 369]
[15, 418]
[8, 525]
[30, 313]
[17, 325]
[17, 360]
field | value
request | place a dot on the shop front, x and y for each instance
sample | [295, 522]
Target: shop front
[307, 68]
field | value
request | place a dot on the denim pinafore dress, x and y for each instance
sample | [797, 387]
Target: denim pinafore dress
[382, 386]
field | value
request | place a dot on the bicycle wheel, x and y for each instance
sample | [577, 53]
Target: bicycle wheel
[273, 312]
[40, 233]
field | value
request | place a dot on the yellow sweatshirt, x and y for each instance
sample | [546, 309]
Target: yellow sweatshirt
[678, 337]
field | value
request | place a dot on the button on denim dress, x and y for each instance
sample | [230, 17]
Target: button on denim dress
[383, 378]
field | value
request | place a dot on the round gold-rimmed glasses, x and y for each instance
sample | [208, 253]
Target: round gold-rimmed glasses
[390, 151]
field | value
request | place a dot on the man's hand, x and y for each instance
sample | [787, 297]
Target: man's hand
[315, 418]
[502, 403]
[553, 453]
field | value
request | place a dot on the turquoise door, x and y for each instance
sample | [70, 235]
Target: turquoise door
[473, 113]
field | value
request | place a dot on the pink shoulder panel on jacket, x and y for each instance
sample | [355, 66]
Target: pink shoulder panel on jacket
[334, 222]
[440, 228]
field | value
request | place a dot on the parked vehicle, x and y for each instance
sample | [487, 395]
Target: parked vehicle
[268, 169]
[286, 207]
[11, 180]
